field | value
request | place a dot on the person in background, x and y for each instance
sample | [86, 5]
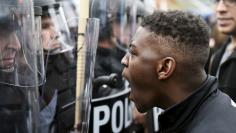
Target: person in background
[223, 63]
[165, 69]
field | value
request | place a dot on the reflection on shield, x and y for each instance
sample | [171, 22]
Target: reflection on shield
[117, 25]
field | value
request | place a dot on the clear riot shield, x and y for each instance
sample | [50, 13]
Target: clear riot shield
[111, 108]
[21, 72]
[117, 25]
[85, 35]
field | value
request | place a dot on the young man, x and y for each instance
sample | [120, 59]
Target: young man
[165, 68]
[223, 62]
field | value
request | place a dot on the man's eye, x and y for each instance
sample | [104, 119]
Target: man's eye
[131, 51]
[45, 26]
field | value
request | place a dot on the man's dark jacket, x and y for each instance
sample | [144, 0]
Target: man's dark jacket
[207, 110]
[227, 73]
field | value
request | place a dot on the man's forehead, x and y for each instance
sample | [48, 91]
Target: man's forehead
[7, 28]
[47, 20]
[141, 30]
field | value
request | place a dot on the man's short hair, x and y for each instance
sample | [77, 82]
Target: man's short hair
[183, 32]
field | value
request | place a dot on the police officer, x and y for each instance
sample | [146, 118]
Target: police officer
[59, 55]
[21, 71]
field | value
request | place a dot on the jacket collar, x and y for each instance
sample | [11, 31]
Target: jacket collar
[216, 58]
[178, 116]
[231, 57]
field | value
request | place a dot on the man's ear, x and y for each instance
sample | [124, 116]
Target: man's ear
[165, 67]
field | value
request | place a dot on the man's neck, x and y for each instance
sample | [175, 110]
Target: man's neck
[184, 89]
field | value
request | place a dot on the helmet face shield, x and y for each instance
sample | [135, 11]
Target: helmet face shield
[55, 32]
[18, 51]
[116, 17]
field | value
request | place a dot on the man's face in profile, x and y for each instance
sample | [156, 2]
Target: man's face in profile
[49, 34]
[140, 70]
[9, 46]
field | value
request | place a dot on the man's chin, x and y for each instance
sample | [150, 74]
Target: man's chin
[8, 68]
[226, 30]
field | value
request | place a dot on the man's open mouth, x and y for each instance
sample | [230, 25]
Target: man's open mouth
[7, 62]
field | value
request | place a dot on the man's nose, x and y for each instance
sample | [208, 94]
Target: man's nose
[54, 33]
[125, 60]
[14, 42]
[221, 7]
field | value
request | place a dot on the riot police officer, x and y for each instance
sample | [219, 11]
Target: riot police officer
[59, 57]
[21, 71]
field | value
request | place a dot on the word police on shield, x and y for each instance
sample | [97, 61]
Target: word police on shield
[111, 114]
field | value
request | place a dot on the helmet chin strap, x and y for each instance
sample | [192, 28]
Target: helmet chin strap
[8, 70]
